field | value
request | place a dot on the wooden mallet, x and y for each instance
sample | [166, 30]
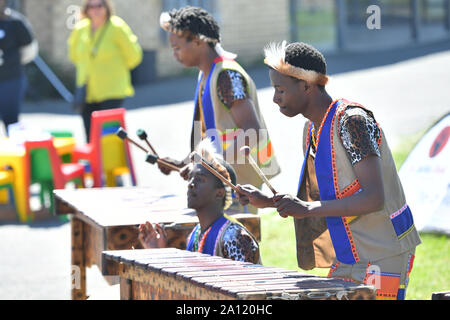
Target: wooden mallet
[143, 136]
[197, 158]
[122, 134]
[246, 151]
[151, 158]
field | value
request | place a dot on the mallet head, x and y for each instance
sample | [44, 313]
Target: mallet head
[121, 133]
[151, 158]
[141, 134]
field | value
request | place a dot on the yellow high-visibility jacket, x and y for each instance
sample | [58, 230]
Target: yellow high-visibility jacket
[107, 70]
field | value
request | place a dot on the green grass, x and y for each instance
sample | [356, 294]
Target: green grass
[431, 265]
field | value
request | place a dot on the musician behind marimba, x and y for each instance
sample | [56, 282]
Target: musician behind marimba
[217, 233]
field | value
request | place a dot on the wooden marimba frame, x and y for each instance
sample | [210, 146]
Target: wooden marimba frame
[108, 219]
[173, 274]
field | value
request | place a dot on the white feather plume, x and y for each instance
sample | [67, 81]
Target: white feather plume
[275, 53]
[222, 53]
[164, 20]
[207, 150]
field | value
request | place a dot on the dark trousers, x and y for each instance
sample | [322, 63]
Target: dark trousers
[12, 92]
[91, 107]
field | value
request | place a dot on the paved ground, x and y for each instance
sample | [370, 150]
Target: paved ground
[407, 90]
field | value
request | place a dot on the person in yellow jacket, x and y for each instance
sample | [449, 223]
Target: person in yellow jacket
[104, 50]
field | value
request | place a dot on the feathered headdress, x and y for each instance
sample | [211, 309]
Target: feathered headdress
[275, 54]
[206, 149]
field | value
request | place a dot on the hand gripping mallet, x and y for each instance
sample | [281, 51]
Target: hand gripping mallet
[151, 158]
[143, 136]
[246, 151]
[197, 158]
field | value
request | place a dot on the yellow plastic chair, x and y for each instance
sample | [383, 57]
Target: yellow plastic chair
[6, 186]
[15, 158]
[106, 152]
[114, 160]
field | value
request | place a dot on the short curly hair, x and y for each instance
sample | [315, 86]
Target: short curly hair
[197, 21]
[303, 55]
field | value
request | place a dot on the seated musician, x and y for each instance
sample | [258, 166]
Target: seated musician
[216, 234]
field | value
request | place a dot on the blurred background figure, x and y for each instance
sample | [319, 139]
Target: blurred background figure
[104, 50]
[17, 47]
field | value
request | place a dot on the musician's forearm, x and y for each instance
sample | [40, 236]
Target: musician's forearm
[263, 203]
[355, 205]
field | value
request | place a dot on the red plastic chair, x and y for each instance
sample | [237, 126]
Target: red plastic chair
[47, 169]
[92, 151]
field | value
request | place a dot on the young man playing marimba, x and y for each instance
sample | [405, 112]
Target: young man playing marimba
[226, 103]
[216, 234]
[350, 211]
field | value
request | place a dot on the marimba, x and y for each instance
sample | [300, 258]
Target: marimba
[108, 219]
[445, 295]
[173, 274]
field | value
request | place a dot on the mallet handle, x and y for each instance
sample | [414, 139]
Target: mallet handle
[171, 166]
[261, 174]
[143, 136]
[122, 134]
[218, 175]
[150, 146]
[137, 145]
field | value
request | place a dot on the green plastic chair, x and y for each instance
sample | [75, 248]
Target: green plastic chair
[66, 158]
[44, 163]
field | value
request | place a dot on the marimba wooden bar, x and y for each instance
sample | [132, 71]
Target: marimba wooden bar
[445, 295]
[108, 219]
[172, 274]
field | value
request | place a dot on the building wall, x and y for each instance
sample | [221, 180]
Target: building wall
[246, 27]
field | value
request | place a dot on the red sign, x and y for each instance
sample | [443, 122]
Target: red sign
[440, 142]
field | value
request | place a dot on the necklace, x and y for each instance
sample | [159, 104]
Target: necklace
[199, 246]
[314, 139]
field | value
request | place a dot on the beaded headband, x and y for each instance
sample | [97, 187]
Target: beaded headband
[275, 58]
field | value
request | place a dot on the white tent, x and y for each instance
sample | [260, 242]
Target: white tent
[425, 177]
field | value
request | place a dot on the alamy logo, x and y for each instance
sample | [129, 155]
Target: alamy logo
[373, 276]
[374, 20]
[76, 277]
[74, 12]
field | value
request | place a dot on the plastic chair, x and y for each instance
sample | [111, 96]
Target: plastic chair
[15, 158]
[61, 133]
[66, 158]
[107, 154]
[47, 170]
[6, 187]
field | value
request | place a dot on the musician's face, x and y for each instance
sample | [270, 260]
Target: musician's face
[290, 94]
[203, 189]
[184, 50]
